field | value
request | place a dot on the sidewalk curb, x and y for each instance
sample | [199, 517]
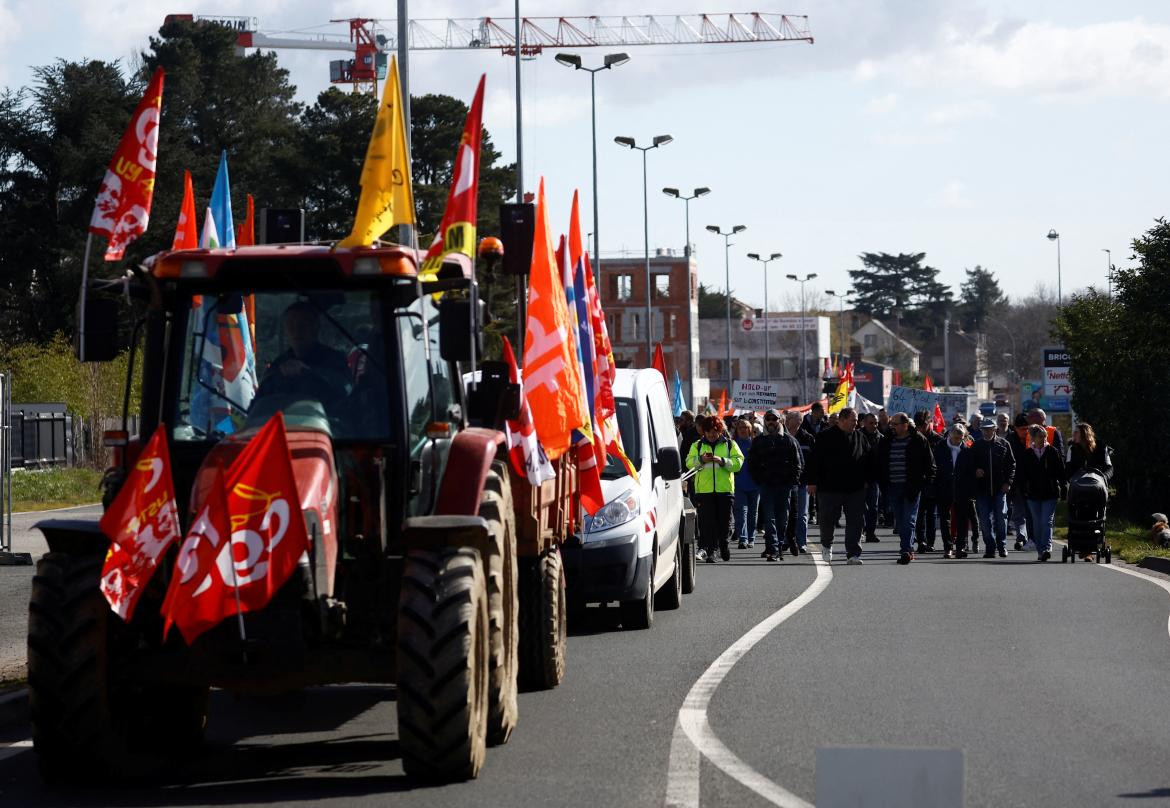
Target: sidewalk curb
[1156, 563]
[14, 708]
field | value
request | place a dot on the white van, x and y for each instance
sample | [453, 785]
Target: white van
[639, 548]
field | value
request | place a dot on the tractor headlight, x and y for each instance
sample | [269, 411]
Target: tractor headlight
[616, 512]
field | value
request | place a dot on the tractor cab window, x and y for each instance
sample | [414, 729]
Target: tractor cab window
[316, 355]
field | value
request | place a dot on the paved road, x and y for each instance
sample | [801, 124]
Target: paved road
[1050, 678]
[15, 584]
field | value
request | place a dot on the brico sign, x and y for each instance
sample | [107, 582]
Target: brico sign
[1057, 373]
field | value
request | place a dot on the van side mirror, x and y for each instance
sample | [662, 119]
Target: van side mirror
[456, 329]
[99, 342]
[668, 463]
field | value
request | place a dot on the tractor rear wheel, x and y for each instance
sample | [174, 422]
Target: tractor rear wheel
[443, 639]
[89, 722]
[503, 606]
[543, 621]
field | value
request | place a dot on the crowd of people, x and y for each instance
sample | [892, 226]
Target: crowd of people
[985, 478]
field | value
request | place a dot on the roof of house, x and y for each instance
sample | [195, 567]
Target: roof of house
[882, 327]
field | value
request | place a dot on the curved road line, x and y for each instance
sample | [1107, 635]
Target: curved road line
[693, 737]
[1144, 577]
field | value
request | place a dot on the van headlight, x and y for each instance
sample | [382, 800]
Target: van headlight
[616, 512]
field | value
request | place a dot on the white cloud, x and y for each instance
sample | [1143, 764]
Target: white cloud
[953, 195]
[882, 104]
[959, 111]
[1122, 57]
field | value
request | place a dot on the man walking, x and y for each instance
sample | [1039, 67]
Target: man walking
[924, 529]
[775, 464]
[798, 508]
[907, 468]
[840, 466]
[995, 469]
[869, 430]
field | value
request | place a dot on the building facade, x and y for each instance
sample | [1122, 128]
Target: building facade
[879, 344]
[778, 337]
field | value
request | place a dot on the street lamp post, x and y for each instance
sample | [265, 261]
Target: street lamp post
[687, 254]
[659, 140]
[574, 61]
[840, 320]
[765, 262]
[803, 335]
[1054, 236]
[739, 228]
[1109, 269]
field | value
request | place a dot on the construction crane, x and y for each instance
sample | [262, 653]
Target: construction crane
[370, 40]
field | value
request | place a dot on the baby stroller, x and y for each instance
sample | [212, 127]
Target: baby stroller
[1088, 496]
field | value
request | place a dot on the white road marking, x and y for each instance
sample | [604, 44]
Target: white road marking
[14, 749]
[693, 737]
[1143, 576]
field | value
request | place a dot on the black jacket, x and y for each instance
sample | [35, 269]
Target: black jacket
[775, 459]
[841, 461]
[1099, 459]
[1018, 448]
[1043, 477]
[920, 469]
[953, 479]
[806, 440]
[998, 463]
[686, 437]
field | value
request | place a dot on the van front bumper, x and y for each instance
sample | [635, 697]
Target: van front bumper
[605, 568]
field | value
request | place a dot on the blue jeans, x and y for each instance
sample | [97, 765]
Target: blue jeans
[1043, 510]
[774, 507]
[800, 511]
[745, 515]
[992, 510]
[872, 496]
[905, 514]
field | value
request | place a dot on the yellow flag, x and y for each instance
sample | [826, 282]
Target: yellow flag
[840, 398]
[387, 198]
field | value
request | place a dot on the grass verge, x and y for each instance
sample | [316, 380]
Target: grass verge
[1129, 541]
[54, 488]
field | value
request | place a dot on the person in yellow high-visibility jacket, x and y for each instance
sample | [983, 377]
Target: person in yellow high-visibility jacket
[715, 457]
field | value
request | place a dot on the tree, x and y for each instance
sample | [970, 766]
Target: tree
[979, 296]
[712, 303]
[1114, 345]
[901, 286]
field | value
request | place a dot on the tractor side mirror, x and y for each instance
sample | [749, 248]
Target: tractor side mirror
[96, 339]
[668, 463]
[456, 329]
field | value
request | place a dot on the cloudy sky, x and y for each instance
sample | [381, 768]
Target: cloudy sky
[964, 129]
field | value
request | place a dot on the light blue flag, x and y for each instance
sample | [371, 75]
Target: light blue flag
[679, 404]
[218, 228]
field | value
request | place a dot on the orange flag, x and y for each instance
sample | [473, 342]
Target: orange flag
[186, 231]
[246, 232]
[551, 367]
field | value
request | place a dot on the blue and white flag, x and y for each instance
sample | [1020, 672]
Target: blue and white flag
[218, 228]
[679, 404]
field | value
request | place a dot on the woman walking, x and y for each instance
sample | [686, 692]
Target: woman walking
[1044, 482]
[716, 458]
[1085, 453]
[747, 493]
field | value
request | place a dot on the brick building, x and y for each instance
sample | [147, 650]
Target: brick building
[674, 310]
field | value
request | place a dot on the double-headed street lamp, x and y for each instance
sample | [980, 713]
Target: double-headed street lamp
[1109, 269]
[659, 140]
[840, 319]
[803, 335]
[574, 61]
[739, 228]
[1054, 236]
[765, 262]
[687, 254]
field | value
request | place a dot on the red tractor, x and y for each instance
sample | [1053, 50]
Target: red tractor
[432, 566]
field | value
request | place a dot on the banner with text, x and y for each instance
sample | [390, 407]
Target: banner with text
[755, 395]
[910, 400]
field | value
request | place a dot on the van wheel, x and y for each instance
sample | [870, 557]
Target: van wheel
[670, 596]
[638, 615]
[689, 565]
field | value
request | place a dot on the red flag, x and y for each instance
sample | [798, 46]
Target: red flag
[939, 424]
[268, 534]
[246, 232]
[457, 229]
[141, 524]
[659, 362]
[186, 231]
[195, 597]
[722, 404]
[927, 385]
[524, 450]
[122, 208]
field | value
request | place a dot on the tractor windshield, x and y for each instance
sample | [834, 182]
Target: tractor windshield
[317, 355]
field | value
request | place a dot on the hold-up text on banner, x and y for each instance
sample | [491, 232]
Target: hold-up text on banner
[755, 395]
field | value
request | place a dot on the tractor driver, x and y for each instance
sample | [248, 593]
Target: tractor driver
[308, 367]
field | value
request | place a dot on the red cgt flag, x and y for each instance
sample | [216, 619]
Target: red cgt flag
[268, 537]
[192, 601]
[122, 209]
[141, 523]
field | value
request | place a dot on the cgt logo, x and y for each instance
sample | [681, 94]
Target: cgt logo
[255, 534]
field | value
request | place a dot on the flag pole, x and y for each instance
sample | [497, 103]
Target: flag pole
[239, 608]
[84, 285]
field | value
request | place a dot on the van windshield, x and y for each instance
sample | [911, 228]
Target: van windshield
[627, 418]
